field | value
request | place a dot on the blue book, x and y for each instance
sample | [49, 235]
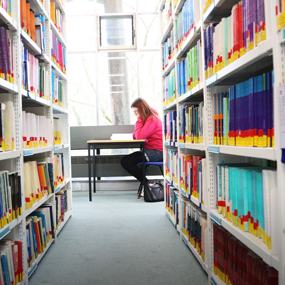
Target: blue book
[29, 244]
[43, 217]
[63, 55]
[5, 269]
[52, 85]
[259, 203]
[259, 109]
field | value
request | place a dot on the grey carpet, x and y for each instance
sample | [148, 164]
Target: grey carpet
[118, 239]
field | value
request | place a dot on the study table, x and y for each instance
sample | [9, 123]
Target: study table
[109, 144]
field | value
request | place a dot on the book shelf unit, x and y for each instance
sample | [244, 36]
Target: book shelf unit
[268, 54]
[28, 101]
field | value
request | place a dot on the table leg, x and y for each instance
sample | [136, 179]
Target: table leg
[94, 171]
[98, 153]
[89, 173]
[143, 167]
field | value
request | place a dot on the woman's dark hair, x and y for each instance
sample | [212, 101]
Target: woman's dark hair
[144, 109]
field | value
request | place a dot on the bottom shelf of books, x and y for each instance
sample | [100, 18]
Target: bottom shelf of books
[234, 263]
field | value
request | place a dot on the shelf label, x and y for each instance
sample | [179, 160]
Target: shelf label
[4, 231]
[211, 80]
[32, 270]
[195, 201]
[57, 188]
[184, 193]
[216, 219]
[185, 239]
[56, 147]
[166, 143]
[28, 152]
[209, 10]
[213, 281]
[182, 145]
[214, 149]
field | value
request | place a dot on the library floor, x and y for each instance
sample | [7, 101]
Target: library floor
[118, 239]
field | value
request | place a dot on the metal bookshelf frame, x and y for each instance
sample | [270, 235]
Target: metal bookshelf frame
[14, 160]
[274, 46]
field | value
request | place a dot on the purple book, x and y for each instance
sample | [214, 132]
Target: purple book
[250, 92]
[262, 15]
[244, 22]
[4, 51]
[7, 52]
[205, 49]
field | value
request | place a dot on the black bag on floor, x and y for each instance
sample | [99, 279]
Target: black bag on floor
[153, 191]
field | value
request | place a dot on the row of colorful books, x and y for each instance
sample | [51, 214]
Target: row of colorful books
[6, 56]
[57, 89]
[58, 53]
[34, 76]
[244, 197]
[244, 116]
[172, 165]
[11, 265]
[190, 70]
[171, 201]
[193, 176]
[168, 50]
[280, 14]
[234, 263]
[169, 88]
[166, 14]
[191, 123]
[40, 230]
[56, 17]
[7, 6]
[7, 126]
[10, 197]
[36, 131]
[186, 20]
[61, 206]
[193, 225]
[57, 131]
[33, 25]
[234, 36]
[170, 127]
[41, 178]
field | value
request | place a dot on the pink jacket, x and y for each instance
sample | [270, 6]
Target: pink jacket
[151, 131]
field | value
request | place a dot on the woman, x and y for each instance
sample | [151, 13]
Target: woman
[148, 127]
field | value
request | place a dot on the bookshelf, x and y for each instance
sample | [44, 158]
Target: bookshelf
[45, 106]
[264, 55]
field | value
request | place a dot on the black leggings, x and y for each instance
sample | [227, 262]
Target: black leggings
[129, 163]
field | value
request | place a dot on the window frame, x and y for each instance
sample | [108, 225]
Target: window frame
[116, 48]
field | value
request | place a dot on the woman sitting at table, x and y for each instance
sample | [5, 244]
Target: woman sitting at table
[148, 127]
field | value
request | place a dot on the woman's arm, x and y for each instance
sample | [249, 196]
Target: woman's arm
[143, 131]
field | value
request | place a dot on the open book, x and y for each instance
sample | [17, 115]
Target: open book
[120, 137]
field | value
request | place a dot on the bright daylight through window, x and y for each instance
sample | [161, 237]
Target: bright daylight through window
[104, 82]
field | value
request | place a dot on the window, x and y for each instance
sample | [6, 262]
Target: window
[105, 79]
[116, 32]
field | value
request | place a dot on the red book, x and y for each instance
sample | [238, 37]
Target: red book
[20, 258]
[240, 27]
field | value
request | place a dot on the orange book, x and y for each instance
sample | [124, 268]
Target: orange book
[28, 19]
[52, 11]
[23, 15]
[42, 177]
[33, 26]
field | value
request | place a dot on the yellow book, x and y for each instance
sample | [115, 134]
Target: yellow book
[52, 11]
